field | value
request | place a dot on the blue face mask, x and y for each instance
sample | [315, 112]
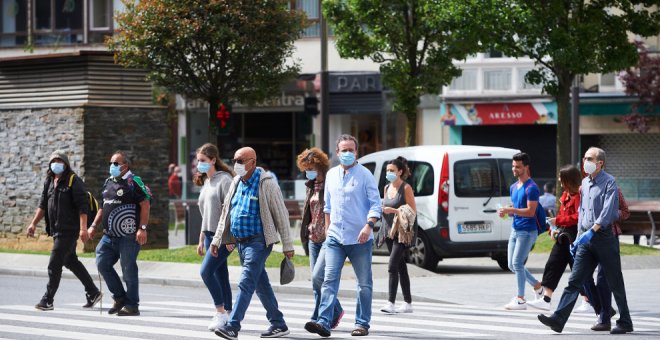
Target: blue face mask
[391, 176]
[114, 170]
[203, 167]
[57, 168]
[346, 158]
[311, 174]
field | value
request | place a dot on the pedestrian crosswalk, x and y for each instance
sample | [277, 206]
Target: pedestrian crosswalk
[164, 319]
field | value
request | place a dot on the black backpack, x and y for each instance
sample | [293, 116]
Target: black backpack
[93, 204]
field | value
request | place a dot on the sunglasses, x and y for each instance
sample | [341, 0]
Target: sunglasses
[241, 161]
[115, 163]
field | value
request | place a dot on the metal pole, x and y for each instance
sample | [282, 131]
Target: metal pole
[575, 121]
[325, 83]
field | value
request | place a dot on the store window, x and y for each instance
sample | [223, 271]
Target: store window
[14, 22]
[58, 21]
[499, 79]
[100, 14]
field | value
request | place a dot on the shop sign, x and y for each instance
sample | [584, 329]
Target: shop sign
[284, 100]
[499, 114]
[369, 82]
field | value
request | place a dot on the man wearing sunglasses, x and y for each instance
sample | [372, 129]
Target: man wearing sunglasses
[253, 214]
[125, 214]
[596, 243]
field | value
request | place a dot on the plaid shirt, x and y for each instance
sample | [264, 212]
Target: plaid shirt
[245, 216]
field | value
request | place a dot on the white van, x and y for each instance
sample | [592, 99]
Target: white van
[457, 190]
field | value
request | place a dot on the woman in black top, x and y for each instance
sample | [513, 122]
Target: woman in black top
[396, 194]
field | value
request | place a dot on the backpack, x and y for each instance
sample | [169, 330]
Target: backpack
[93, 204]
[539, 216]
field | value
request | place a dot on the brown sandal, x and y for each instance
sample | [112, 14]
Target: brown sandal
[360, 332]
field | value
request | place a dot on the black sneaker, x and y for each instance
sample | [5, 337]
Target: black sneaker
[226, 333]
[315, 327]
[129, 311]
[44, 304]
[93, 299]
[116, 307]
[275, 332]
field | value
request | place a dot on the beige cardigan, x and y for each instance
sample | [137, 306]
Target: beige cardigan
[274, 216]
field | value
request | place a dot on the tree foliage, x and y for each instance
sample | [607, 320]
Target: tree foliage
[415, 41]
[567, 38]
[642, 81]
[222, 51]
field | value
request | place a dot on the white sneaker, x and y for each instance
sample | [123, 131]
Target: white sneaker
[540, 304]
[516, 304]
[219, 320]
[538, 293]
[404, 308]
[388, 308]
[585, 307]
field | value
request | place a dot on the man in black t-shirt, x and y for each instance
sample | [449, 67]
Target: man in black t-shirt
[125, 202]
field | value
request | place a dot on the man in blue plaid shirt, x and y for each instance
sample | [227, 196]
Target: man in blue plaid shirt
[253, 214]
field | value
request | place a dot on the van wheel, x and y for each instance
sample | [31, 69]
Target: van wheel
[422, 254]
[503, 263]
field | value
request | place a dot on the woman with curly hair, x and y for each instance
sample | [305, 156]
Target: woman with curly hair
[315, 164]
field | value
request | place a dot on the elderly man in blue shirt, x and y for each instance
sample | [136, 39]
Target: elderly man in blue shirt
[596, 243]
[352, 206]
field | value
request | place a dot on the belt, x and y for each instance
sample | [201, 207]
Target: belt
[245, 239]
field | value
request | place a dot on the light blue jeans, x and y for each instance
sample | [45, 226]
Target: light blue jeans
[520, 244]
[215, 274]
[253, 254]
[360, 257]
[124, 249]
[317, 265]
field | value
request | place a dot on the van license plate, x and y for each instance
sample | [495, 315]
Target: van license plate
[474, 228]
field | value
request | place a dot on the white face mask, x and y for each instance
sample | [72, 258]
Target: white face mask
[589, 167]
[240, 169]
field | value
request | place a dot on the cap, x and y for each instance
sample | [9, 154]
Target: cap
[61, 155]
[287, 271]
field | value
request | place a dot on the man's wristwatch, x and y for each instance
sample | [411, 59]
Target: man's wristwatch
[371, 224]
[143, 227]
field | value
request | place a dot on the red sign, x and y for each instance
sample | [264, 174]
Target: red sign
[502, 114]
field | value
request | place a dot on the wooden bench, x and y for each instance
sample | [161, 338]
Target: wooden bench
[295, 212]
[644, 215]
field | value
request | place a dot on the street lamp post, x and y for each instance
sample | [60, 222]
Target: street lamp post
[325, 83]
[575, 121]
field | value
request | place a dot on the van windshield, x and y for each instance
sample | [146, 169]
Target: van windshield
[421, 178]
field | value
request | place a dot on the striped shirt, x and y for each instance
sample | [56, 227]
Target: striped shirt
[244, 215]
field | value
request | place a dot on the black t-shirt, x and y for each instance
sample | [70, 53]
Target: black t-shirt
[64, 204]
[121, 206]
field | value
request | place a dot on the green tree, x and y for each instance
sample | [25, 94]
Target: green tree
[415, 42]
[222, 51]
[567, 38]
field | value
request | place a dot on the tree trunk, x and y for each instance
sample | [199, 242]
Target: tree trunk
[565, 80]
[214, 104]
[411, 126]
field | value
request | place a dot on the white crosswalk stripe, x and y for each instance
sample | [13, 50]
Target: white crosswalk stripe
[179, 319]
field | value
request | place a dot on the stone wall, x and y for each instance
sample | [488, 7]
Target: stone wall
[89, 135]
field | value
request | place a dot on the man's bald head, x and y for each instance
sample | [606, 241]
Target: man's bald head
[248, 157]
[245, 153]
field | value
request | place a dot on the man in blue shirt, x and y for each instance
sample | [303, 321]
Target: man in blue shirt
[596, 243]
[525, 198]
[253, 216]
[352, 206]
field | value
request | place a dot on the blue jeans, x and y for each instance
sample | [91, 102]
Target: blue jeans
[520, 244]
[124, 249]
[603, 249]
[317, 265]
[215, 274]
[360, 257]
[253, 254]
